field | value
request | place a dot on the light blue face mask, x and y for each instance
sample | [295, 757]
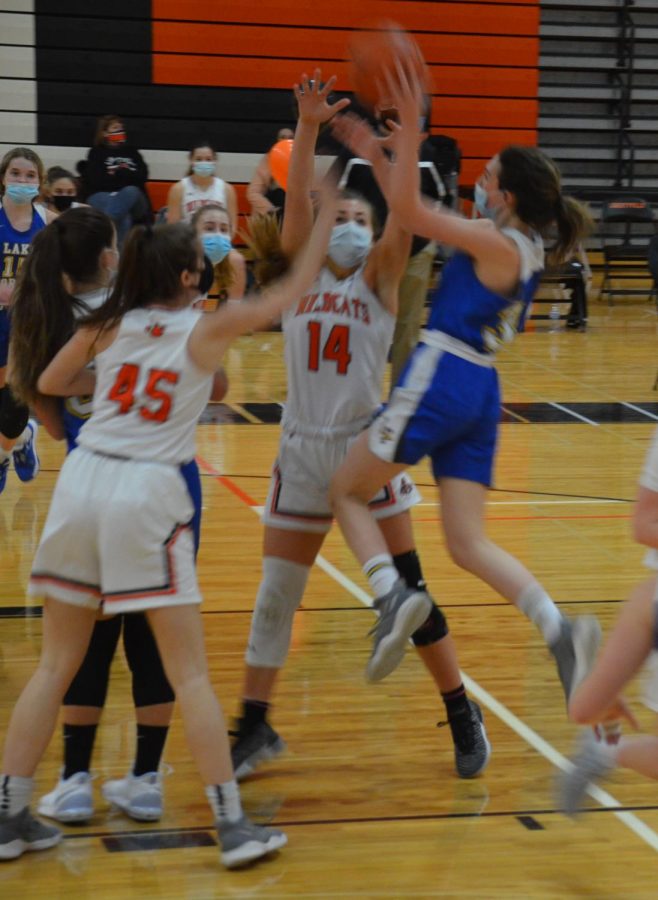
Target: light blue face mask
[350, 244]
[216, 246]
[21, 193]
[480, 197]
[204, 169]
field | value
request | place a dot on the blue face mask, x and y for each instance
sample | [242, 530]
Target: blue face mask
[216, 246]
[204, 169]
[21, 193]
[350, 244]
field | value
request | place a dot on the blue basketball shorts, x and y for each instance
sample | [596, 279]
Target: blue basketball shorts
[445, 407]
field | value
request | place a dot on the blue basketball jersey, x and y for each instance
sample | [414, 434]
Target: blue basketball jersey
[464, 308]
[15, 245]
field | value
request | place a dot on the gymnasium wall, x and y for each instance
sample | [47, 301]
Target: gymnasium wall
[174, 79]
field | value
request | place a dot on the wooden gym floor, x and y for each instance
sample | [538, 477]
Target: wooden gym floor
[367, 791]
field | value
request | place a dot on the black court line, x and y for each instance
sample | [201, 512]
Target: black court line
[365, 820]
[36, 612]
[602, 413]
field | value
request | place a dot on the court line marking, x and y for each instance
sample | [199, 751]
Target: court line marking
[639, 409]
[576, 415]
[632, 822]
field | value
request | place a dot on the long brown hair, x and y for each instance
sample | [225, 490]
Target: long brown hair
[152, 261]
[44, 313]
[263, 240]
[534, 180]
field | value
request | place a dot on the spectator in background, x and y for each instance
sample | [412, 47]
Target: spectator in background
[115, 176]
[201, 186]
[415, 282]
[213, 225]
[264, 194]
[60, 190]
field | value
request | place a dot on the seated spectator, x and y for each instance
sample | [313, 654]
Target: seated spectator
[60, 190]
[213, 225]
[115, 177]
[201, 186]
[264, 194]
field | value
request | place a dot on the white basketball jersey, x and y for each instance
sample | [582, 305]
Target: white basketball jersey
[149, 395]
[337, 340]
[194, 197]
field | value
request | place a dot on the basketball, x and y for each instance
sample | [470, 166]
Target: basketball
[374, 53]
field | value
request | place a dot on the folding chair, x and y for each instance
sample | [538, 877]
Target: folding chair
[627, 225]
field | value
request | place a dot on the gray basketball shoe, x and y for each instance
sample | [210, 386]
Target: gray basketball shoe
[243, 842]
[22, 833]
[401, 612]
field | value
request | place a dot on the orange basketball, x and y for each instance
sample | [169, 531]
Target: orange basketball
[374, 53]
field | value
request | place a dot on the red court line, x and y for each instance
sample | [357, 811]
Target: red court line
[530, 518]
[226, 482]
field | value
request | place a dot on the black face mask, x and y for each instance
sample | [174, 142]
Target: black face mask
[207, 276]
[61, 202]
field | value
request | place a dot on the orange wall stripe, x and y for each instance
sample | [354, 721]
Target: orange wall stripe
[456, 18]
[281, 43]
[283, 73]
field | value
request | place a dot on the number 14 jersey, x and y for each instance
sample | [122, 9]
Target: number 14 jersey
[149, 394]
[337, 339]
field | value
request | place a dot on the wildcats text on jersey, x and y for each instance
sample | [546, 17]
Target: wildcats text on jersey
[334, 303]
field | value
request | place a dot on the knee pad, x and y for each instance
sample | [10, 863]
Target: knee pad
[408, 566]
[89, 687]
[13, 415]
[150, 684]
[279, 594]
[432, 630]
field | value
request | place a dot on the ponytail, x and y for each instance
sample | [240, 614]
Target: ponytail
[43, 315]
[573, 223]
[534, 180]
[264, 242]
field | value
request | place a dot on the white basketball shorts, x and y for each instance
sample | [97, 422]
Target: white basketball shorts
[298, 498]
[117, 537]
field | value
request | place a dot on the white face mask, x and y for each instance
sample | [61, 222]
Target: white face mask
[350, 244]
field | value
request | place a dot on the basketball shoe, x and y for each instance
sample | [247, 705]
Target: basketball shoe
[26, 460]
[243, 842]
[401, 612]
[254, 746]
[22, 832]
[139, 796]
[472, 747]
[71, 801]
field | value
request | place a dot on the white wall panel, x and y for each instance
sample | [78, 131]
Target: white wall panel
[17, 29]
[20, 128]
[17, 62]
[18, 94]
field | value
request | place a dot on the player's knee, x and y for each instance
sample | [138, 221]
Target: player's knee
[13, 415]
[433, 629]
[462, 549]
[150, 684]
[279, 595]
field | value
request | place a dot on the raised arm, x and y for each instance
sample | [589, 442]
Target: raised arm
[485, 243]
[314, 110]
[214, 332]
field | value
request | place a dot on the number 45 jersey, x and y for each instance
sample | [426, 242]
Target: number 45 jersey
[149, 394]
[337, 339]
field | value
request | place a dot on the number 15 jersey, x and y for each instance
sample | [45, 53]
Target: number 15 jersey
[149, 394]
[336, 345]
